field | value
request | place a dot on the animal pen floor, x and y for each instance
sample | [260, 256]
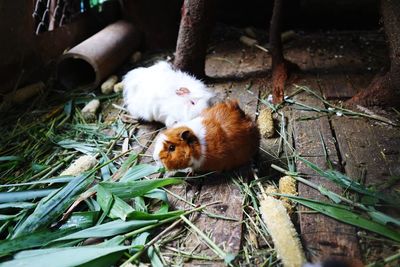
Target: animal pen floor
[334, 66]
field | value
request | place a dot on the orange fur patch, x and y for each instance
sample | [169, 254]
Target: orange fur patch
[184, 148]
[232, 137]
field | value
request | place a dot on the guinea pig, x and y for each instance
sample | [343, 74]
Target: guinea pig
[336, 263]
[222, 138]
[161, 93]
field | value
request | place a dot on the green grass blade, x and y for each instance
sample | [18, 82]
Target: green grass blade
[344, 214]
[32, 240]
[383, 218]
[61, 257]
[348, 183]
[18, 205]
[7, 217]
[10, 158]
[131, 160]
[64, 179]
[137, 188]
[157, 194]
[154, 259]
[140, 215]
[119, 208]
[140, 204]
[140, 240]
[85, 148]
[109, 229]
[6, 197]
[139, 171]
[51, 207]
[105, 261]
[81, 220]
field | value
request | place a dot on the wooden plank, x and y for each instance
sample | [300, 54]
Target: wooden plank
[222, 62]
[359, 82]
[373, 159]
[234, 60]
[336, 86]
[368, 156]
[322, 236]
[298, 51]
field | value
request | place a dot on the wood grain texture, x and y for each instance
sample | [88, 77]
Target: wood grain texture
[322, 236]
[337, 86]
[372, 159]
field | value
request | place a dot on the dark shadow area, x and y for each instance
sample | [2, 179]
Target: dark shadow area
[76, 72]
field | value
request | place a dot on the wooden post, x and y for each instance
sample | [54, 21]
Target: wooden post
[279, 68]
[197, 21]
[385, 89]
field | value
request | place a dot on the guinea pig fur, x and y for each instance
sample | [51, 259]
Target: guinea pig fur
[161, 93]
[222, 138]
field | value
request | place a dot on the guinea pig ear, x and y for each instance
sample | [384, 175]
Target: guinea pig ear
[188, 136]
[182, 91]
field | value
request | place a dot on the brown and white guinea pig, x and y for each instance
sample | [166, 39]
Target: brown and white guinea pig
[222, 138]
[336, 263]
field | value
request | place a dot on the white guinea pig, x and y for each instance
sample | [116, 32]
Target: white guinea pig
[161, 93]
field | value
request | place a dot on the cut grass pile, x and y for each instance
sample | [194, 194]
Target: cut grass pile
[101, 215]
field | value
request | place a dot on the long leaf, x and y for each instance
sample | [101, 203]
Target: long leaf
[81, 220]
[157, 194]
[7, 217]
[347, 183]
[17, 205]
[344, 214]
[104, 261]
[61, 257]
[64, 179]
[32, 240]
[85, 148]
[54, 205]
[119, 208]
[137, 188]
[139, 215]
[6, 197]
[139, 171]
[140, 240]
[10, 158]
[109, 229]
[125, 167]
[154, 259]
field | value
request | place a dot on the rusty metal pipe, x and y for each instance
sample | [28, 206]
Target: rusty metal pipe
[93, 60]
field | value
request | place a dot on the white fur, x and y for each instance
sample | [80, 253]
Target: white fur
[158, 147]
[150, 94]
[196, 125]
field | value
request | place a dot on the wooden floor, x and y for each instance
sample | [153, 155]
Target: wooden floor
[336, 66]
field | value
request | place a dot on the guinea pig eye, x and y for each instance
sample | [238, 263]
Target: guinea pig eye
[171, 148]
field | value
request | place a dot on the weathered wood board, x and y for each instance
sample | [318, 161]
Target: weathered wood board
[336, 86]
[371, 155]
[322, 236]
